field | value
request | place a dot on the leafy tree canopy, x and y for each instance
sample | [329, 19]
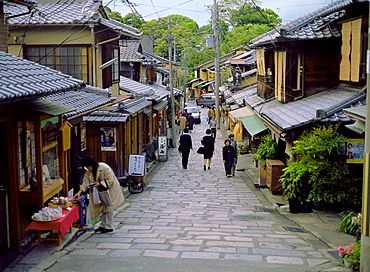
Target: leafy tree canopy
[243, 12]
[239, 22]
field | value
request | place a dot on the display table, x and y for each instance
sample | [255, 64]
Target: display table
[61, 225]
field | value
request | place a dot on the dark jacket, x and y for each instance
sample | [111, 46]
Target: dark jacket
[228, 153]
[185, 142]
[209, 143]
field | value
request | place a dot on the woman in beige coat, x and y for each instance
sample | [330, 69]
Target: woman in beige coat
[98, 172]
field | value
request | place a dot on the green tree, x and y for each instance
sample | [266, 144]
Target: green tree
[243, 12]
[241, 35]
[133, 20]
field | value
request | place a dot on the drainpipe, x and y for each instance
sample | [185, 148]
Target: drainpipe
[93, 47]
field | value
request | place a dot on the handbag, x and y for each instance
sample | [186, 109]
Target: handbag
[104, 195]
[200, 150]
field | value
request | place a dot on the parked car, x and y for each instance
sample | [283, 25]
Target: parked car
[195, 112]
[206, 100]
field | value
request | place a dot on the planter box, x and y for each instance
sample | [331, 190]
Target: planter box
[274, 171]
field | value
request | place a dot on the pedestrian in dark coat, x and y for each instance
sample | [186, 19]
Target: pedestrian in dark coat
[185, 145]
[190, 122]
[234, 144]
[228, 155]
[208, 143]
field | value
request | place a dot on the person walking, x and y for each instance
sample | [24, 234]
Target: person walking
[228, 155]
[185, 113]
[190, 122]
[210, 114]
[208, 143]
[234, 144]
[213, 126]
[182, 123]
[186, 145]
[100, 174]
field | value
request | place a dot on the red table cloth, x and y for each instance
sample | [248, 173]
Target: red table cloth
[62, 224]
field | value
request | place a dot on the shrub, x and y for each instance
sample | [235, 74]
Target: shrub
[350, 222]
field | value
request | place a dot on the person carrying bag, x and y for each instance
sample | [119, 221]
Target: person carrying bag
[104, 194]
[100, 176]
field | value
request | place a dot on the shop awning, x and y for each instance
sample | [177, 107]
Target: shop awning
[241, 113]
[253, 124]
[160, 105]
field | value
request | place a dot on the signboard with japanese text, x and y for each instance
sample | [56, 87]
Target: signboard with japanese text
[136, 165]
[355, 150]
[162, 149]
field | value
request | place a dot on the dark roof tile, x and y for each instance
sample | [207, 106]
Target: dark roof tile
[82, 100]
[152, 92]
[306, 110]
[68, 12]
[315, 25]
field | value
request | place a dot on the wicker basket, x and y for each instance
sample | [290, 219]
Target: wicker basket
[51, 205]
[44, 221]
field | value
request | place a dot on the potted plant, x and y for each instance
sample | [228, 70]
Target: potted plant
[351, 223]
[267, 150]
[295, 185]
[351, 255]
[319, 171]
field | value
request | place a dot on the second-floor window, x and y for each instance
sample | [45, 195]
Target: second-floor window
[71, 60]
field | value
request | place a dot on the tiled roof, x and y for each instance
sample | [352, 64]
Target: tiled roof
[159, 59]
[315, 25]
[21, 79]
[131, 52]
[241, 96]
[359, 112]
[82, 100]
[24, 2]
[322, 107]
[56, 12]
[133, 105]
[152, 92]
[67, 12]
[162, 70]
[120, 27]
[106, 116]
[245, 74]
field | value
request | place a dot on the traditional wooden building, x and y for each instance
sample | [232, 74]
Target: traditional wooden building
[38, 108]
[75, 37]
[311, 69]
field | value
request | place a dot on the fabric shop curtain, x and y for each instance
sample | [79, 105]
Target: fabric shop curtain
[351, 51]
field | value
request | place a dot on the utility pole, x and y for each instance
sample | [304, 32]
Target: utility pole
[365, 231]
[184, 76]
[173, 111]
[217, 62]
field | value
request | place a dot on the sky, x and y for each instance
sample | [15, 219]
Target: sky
[198, 10]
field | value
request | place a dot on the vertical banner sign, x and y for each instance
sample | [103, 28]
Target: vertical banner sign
[162, 150]
[136, 165]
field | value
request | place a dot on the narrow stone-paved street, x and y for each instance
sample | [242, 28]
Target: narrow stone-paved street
[195, 220]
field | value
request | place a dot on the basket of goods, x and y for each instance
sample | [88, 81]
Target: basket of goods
[59, 202]
[48, 214]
